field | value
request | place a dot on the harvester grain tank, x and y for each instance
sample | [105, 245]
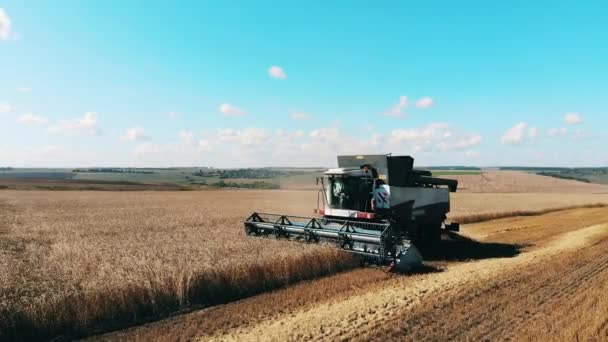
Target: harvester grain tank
[377, 206]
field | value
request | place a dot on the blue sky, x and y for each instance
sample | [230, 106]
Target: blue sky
[145, 83]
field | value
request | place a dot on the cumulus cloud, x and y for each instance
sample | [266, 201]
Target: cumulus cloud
[5, 25]
[462, 143]
[574, 134]
[205, 145]
[398, 110]
[135, 134]
[4, 108]
[24, 89]
[186, 137]
[436, 135]
[187, 151]
[556, 132]
[277, 72]
[172, 114]
[573, 118]
[300, 116]
[427, 133]
[519, 134]
[325, 134]
[47, 149]
[580, 134]
[87, 124]
[146, 149]
[32, 119]
[230, 110]
[254, 146]
[472, 153]
[251, 137]
[424, 102]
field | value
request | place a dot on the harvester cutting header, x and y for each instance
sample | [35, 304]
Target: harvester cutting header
[377, 206]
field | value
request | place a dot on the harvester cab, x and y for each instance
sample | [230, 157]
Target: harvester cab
[376, 206]
[346, 192]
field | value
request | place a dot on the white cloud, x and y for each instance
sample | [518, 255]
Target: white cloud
[472, 153]
[436, 135]
[148, 148]
[424, 102]
[564, 132]
[430, 132]
[4, 108]
[226, 134]
[463, 143]
[519, 134]
[87, 124]
[47, 150]
[231, 110]
[32, 119]
[434, 144]
[172, 114]
[300, 116]
[277, 72]
[398, 110]
[135, 134]
[5, 25]
[186, 137]
[580, 134]
[24, 89]
[573, 118]
[249, 137]
[325, 134]
[185, 152]
[556, 132]
[205, 145]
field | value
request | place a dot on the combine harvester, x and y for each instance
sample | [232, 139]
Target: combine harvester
[377, 206]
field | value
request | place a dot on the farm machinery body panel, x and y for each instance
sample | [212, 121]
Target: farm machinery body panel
[377, 206]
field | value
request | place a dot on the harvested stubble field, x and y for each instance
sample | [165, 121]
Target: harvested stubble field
[522, 182]
[75, 263]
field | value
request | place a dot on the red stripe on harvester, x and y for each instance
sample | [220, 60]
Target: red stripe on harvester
[368, 216]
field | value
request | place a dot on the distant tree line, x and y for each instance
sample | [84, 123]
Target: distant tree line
[113, 170]
[564, 176]
[587, 170]
[532, 168]
[8, 168]
[253, 185]
[241, 173]
[459, 168]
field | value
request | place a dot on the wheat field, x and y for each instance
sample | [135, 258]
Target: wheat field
[79, 262]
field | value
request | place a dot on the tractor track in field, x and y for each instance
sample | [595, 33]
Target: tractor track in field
[363, 316]
[552, 293]
[546, 292]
